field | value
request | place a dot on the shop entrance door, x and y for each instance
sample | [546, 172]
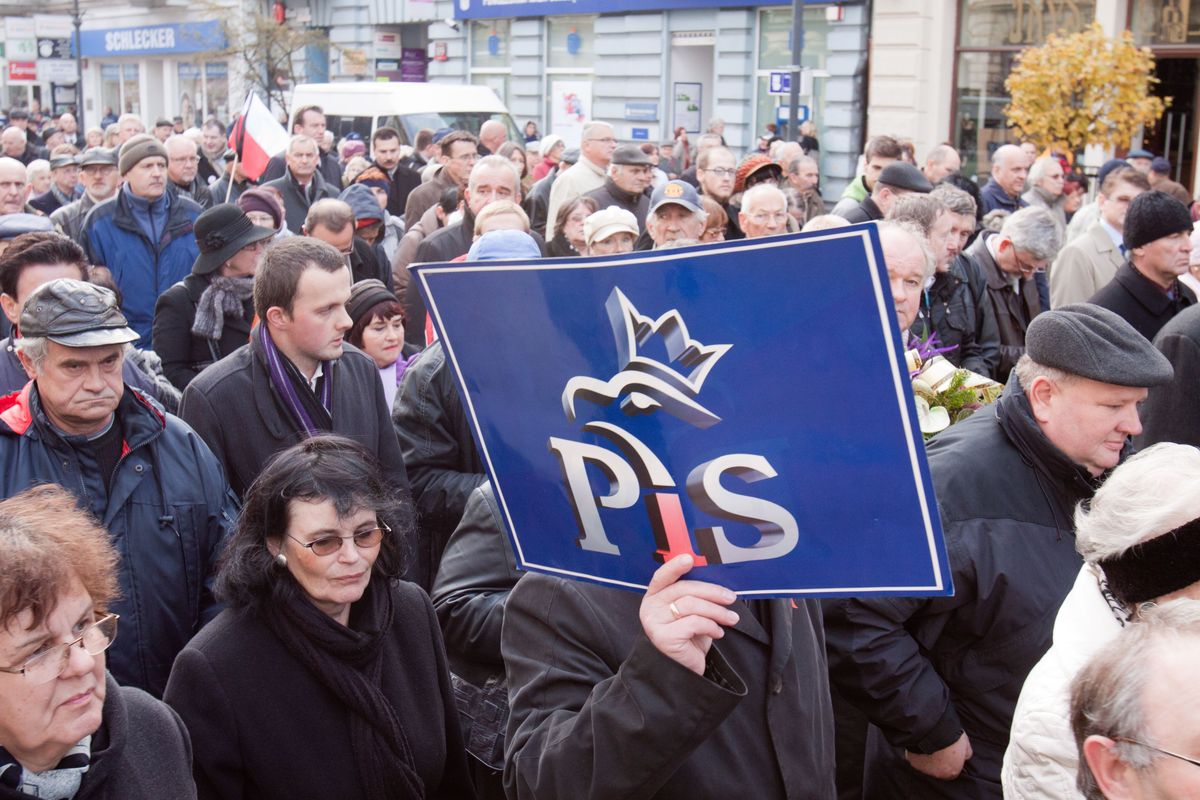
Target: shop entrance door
[1175, 135]
[692, 79]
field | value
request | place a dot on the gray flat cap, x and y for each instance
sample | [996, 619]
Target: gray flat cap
[903, 175]
[1093, 342]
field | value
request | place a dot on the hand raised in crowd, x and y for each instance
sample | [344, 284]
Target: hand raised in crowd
[945, 764]
[681, 618]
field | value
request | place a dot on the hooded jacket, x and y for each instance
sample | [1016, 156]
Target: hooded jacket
[143, 269]
[924, 670]
[141, 751]
[168, 513]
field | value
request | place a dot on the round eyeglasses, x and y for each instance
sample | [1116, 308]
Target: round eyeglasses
[328, 545]
[47, 665]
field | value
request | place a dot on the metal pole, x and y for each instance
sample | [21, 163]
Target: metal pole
[79, 124]
[793, 131]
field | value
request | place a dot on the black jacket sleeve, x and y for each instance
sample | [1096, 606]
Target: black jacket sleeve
[172, 335]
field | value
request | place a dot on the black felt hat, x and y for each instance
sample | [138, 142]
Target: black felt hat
[221, 232]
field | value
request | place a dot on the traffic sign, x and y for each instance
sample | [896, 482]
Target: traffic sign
[783, 115]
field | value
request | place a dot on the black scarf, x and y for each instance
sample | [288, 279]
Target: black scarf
[347, 661]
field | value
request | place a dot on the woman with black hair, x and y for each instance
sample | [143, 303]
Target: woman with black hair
[326, 675]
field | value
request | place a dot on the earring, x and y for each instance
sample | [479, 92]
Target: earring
[281, 561]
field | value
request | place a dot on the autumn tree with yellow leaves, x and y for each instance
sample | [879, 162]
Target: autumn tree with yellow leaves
[1084, 88]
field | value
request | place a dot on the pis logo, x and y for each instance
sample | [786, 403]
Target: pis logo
[646, 386]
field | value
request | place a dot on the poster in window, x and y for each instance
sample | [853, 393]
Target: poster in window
[688, 100]
[570, 109]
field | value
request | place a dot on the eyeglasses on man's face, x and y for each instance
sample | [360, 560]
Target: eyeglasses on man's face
[1188, 759]
[328, 545]
[47, 664]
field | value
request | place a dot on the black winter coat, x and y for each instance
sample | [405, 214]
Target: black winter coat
[327, 167]
[1140, 302]
[958, 310]
[1169, 413]
[924, 670]
[168, 514]
[1013, 311]
[263, 726]
[866, 211]
[439, 452]
[599, 712]
[141, 751]
[296, 203]
[612, 195]
[233, 406]
[537, 202]
[184, 354]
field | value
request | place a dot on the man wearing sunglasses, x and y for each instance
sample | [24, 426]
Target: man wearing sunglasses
[1028, 240]
[144, 474]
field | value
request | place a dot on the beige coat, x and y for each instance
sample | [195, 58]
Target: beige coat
[581, 178]
[1083, 266]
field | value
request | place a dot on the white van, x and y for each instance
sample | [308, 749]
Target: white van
[407, 107]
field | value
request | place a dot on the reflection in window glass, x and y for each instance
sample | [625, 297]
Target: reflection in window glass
[1170, 22]
[110, 88]
[216, 83]
[774, 53]
[190, 93]
[1015, 23]
[979, 127]
[490, 41]
[571, 42]
[133, 93]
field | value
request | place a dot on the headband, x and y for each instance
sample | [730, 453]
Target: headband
[1157, 566]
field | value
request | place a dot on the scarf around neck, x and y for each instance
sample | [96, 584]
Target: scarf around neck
[347, 661]
[223, 297]
[61, 782]
[284, 378]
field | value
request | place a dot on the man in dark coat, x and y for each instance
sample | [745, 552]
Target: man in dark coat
[145, 475]
[64, 185]
[896, 179]
[619, 695]
[1026, 243]
[630, 174]
[302, 185]
[295, 377]
[183, 169]
[98, 174]
[309, 121]
[1010, 168]
[940, 677]
[385, 152]
[1146, 291]
[1172, 411]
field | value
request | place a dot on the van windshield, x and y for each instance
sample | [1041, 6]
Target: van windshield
[471, 121]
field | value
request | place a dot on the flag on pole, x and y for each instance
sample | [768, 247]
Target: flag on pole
[256, 136]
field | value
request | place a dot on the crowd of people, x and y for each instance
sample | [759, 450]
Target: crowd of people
[228, 431]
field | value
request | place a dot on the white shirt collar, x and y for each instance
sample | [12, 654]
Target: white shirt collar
[312, 382]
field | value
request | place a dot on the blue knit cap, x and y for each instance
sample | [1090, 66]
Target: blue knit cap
[504, 245]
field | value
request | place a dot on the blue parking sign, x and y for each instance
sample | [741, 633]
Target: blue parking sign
[746, 402]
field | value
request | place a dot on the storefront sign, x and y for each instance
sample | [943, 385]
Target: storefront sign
[56, 70]
[54, 48]
[641, 111]
[22, 71]
[193, 37]
[414, 65]
[387, 45]
[491, 9]
[699, 401]
[23, 49]
[53, 26]
[19, 28]
[1004, 23]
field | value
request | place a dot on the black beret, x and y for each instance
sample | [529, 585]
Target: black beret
[903, 175]
[1093, 342]
[1153, 215]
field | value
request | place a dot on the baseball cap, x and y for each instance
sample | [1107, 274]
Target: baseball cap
[680, 193]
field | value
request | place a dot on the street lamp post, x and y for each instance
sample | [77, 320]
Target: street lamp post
[78, 20]
[793, 131]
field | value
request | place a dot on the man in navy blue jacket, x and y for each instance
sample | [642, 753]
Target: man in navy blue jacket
[144, 234]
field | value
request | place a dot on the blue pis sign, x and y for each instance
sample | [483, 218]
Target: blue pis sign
[701, 400]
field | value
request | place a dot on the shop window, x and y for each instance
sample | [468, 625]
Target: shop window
[191, 94]
[110, 89]
[775, 53]
[570, 70]
[491, 59]
[1165, 22]
[216, 90]
[1016, 23]
[131, 93]
[571, 43]
[980, 98]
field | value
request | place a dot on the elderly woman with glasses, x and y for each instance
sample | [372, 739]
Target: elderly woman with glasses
[67, 730]
[326, 675]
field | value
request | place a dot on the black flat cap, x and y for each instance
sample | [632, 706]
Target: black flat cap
[75, 314]
[903, 175]
[1153, 215]
[630, 154]
[1093, 342]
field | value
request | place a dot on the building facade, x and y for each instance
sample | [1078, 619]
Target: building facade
[938, 69]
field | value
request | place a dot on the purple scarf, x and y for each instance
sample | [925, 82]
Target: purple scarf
[286, 388]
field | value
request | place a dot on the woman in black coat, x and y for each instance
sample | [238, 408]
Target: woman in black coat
[325, 676]
[208, 314]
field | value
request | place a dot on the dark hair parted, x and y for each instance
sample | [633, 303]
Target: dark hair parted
[302, 111]
[281, 267]
[385, 133]
[883, 146]
[325, 467]
[450, 139]
[48, 541]
[42, 248]
[386, 309]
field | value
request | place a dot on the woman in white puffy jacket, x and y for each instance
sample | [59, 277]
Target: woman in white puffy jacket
[1140, 538]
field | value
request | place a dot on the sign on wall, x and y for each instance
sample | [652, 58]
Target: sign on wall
[570, 109]
[701, 400]
[193, 37]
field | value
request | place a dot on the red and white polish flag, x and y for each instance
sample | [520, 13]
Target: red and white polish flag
[256, 136]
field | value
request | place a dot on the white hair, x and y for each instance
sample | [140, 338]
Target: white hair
[37, 168]
[20, 133]
[1033, 230]
[489, 162]
[1143, 498]
[905, 227]
[762, 190]
[32, 347]
[954, 199]
[300, 138]
[1038, 170]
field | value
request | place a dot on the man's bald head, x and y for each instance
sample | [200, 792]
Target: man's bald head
[492, 134]
[14, 186]
[1010, 167]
